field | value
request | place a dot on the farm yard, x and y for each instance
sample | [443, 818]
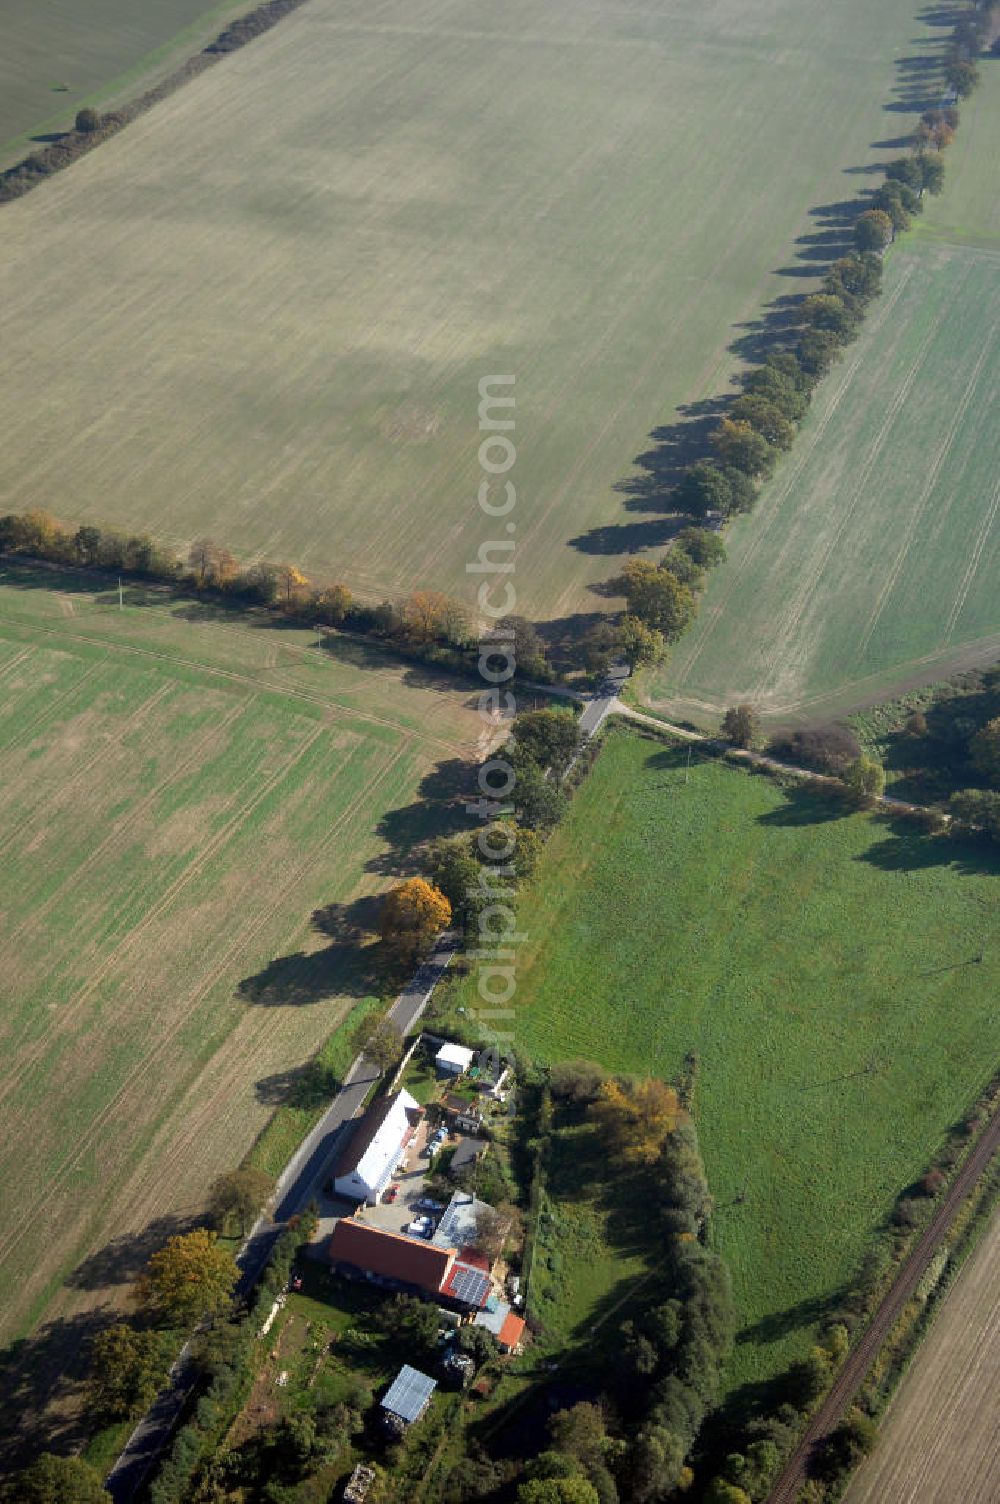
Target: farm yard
[938, 1441]
[177, 797]
[871, 560]
[269, 302]
[821, 965]
[103, 48]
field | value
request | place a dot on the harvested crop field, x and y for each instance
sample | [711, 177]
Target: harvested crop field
[822, 967]
[265, 308]
[939, 1441]
[177, 797]
[871, 562]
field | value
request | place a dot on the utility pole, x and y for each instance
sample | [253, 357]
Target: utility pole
[687, 769]
[121, 602]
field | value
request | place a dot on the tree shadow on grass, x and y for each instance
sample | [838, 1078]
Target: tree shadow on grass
[909, 849]
[122, 1260]
[806, 806]
[918, 86]
[40, 1376]
[779, 1324]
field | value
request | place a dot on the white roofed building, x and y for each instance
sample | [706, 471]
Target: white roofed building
[365, 1168]
[453, 1059]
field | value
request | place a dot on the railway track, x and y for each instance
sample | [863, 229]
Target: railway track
[861, 1357]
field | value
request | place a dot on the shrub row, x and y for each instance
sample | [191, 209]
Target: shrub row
[426, 625]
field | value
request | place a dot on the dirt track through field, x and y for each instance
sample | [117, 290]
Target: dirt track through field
[863, 1354]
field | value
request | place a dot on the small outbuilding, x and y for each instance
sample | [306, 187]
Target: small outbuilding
[453, 1059]
[408, 1396]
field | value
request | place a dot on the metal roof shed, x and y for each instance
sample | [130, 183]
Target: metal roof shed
[409, 1394]
[455, 1059]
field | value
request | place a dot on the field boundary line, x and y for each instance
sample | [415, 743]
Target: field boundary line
[916, 515]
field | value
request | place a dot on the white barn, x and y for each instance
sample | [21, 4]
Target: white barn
[453, 1059]
[365, 1168]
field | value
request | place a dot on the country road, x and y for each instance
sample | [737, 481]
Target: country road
[861, 1357]
[297, 1185]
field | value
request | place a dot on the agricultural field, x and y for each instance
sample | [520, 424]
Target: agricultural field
[61, 54]
[177, 796]
[266, 306]
[821, 965]
[939, 1441]
[870, 563]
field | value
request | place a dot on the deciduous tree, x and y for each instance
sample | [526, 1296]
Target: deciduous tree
[639, 644]
[411, 916]
[865, 777]
[190, 1277]
[743, 448]
[656, 597]
[704, 488]
[379, 1040]
[984, 750]
[59, 1480]
[238, 1197]
[873, 230]
[547, 738]
[636, 1119]
[741, 725]
[127, 1367]
[764, 417]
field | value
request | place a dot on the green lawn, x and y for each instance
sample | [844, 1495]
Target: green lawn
[871, 560]
[61, 54]
[178, 794]
[820, 966]
[264, 310]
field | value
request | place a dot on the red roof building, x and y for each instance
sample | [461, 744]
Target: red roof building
[395, 1259]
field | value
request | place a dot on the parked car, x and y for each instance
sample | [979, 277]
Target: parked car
[426, 1204]
[391, 1193]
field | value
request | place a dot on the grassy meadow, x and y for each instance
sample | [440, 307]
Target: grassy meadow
[61, 54]
[871, 560]
[820, 966]
[264, 309]
[177, 796]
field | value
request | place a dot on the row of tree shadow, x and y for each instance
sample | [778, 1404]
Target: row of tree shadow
[675, 446]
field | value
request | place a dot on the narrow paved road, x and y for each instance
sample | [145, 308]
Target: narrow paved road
[298, 1184]
[860, 1359]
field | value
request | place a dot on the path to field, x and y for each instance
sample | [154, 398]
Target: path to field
[940, 1442]
[297, 1185]
[864, 1353]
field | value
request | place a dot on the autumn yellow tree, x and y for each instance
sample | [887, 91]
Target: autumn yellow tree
[291, 582]
[188, 1278]
[411, 915]
[425, 615]
[636, 1119]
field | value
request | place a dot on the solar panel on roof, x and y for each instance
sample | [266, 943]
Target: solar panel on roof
[470, 1285]
[408, 1394]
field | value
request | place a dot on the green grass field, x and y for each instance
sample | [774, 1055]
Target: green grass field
[871, 561]
[177, 796]
[819, 965]
[61, 54]
[264, 309]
